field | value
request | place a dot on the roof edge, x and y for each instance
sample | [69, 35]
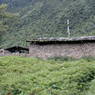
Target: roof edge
[63, 39]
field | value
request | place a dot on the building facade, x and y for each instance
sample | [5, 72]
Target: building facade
[62, 47]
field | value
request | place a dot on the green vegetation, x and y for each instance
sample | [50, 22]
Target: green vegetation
[3, 26]
[5, 19]
[45, 18]
[48, 18]
[30, 76]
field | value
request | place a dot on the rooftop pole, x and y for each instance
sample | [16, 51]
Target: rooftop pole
[68, 27]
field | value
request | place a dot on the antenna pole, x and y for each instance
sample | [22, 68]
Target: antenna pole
[68, 27]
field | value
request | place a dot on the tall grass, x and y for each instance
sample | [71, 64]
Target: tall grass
[31, 76]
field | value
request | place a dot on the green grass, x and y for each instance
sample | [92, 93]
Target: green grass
[31, 76]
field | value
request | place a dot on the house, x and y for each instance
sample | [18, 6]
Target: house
[15, 50]
[76, 47]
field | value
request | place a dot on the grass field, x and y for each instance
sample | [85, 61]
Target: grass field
[31, 76]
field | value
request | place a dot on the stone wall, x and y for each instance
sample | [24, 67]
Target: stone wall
[7, 53]
[76, 50]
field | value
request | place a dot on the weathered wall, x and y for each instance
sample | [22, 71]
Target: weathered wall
[4, 52]
[68, 50]
[7, 53]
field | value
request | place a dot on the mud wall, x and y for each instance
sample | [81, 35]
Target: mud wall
[77, 50]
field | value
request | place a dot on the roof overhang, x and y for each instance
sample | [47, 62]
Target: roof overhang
[62, 40]
[17, 47]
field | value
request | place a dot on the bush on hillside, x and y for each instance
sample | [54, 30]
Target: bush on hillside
[26, 76]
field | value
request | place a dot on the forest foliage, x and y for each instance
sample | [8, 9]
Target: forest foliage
[48, 18]
[5, 19]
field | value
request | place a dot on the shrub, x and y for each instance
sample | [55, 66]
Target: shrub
[30, 76]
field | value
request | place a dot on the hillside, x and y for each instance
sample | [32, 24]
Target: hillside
[28, 76]
[48, 18]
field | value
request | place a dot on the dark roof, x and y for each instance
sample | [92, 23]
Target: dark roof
[63, 39]
[17, 47]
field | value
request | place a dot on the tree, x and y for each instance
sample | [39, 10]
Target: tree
[5, 17]
[3, 26]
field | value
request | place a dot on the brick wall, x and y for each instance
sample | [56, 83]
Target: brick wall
[77, 50]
